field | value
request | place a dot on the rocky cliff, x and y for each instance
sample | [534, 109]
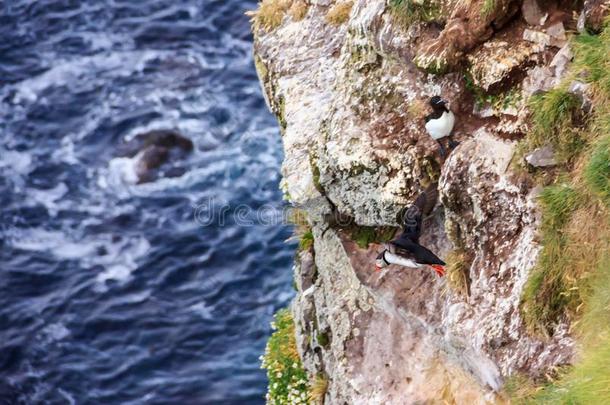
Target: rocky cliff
[349, 83]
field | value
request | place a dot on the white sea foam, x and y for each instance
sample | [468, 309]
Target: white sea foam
[202, 309]
[54, 332]
[118, 260]
[121, 63]
[66, 152]
[67, 396]
[48, 198]
[121, 262]
[121, 172]
[55, 242]
[17, 162]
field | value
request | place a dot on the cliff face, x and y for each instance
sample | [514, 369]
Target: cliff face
[350, 97]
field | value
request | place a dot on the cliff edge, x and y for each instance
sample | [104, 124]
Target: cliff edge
[350, 84]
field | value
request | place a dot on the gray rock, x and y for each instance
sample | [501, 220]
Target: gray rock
[561, 60]
[532, 13]
[497, 60]
[541, 157]
[558, 35]
[539, 78]
[537, 37]
[581, 23]
[582, 90]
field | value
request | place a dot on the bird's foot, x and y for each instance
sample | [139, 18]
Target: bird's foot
[453, 144]
[442, 151]
[440, 270]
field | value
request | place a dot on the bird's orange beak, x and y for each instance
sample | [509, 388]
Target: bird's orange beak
[440, 270]
[377, 268]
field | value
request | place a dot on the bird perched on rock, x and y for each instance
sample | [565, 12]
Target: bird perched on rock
[440, 123]
[406, 250]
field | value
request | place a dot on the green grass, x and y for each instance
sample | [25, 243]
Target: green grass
[520, 389]
[315, 173]
[597, 170]
[323, 339]
[488, 7]
[591, 55]
[365, 235]
[306, 240]
[555, 115]
[288, 382]
[408, 12]
[546, 295]
[572, 276]
[588, 382]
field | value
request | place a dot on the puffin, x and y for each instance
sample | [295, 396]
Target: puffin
[439, 123]
[405, 250]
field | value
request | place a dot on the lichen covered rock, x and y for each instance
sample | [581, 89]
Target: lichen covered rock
[351, 98]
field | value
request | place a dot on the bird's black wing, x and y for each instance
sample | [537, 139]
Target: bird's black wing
[422, 255]
[425, 256]
[411, 218]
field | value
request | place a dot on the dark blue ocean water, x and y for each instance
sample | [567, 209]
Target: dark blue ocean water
[116, 293]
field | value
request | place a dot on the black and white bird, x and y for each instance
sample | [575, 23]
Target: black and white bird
[405, 250]
[440, 123]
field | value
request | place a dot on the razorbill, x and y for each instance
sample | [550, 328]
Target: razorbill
[405, 250]
[440, 123]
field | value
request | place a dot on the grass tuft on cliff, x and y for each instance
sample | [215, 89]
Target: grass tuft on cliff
[488, 7]
[339, 13]
[554, 116]
[408, 12]
[298, 10]
[597, 171]
[458, 266]
[306, 240]
[318, 389]
[365, 235]
[287, 379]
[302, 229]
[548, 291]
[269, 15]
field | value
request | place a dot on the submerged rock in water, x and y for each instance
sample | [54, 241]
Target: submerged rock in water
[157, 153]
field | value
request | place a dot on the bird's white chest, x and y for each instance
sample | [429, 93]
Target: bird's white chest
[399, 260]
[441, 127]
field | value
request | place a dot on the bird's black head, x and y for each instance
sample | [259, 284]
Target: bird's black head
[437, 102]
[380, 262]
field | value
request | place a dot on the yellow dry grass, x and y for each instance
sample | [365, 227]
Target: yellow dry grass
[458, 267]
[269, 14]
[298, 10]
[339, 13]
[317, 389]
